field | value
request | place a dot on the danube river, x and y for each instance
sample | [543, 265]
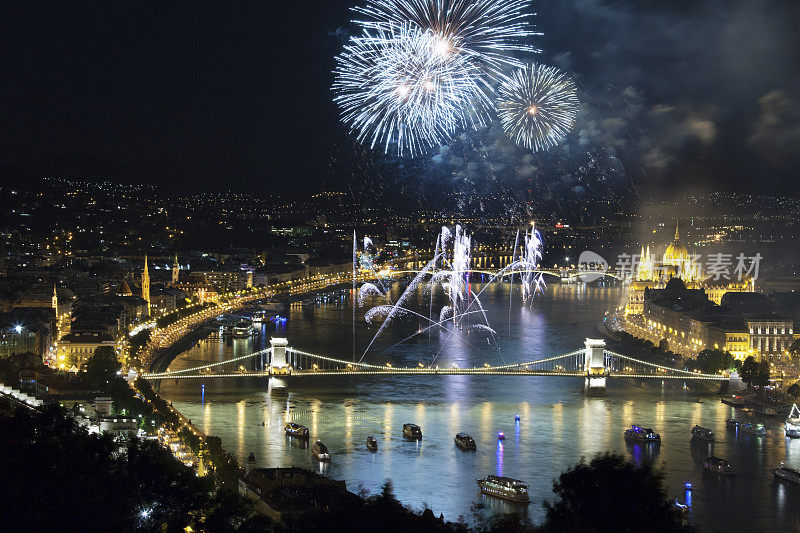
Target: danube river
[557, 426]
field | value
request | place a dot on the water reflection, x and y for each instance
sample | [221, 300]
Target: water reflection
[557, 426]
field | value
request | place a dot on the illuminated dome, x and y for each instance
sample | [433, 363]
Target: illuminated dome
[676, 254]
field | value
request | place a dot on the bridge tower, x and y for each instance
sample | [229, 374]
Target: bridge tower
[278, 355]
[594, 384]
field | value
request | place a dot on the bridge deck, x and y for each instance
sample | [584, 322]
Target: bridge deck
[423, 372]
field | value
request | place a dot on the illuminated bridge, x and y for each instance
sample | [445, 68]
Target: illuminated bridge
[594, 363]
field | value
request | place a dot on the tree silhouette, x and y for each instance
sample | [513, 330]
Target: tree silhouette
[610, 493]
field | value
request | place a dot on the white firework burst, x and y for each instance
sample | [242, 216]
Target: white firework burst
[537, 106]
[488, 32]
[398, 90]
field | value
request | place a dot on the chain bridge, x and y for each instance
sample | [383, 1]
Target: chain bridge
[593, 363]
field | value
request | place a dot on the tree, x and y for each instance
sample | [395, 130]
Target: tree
[712, 361]
[793, 390]
[749, 370]
[102, 367]
[663, 345]
[610, 493]
[85, 473]
[761, 378]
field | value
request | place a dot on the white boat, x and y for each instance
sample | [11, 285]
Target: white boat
[787, 473]
[506, 488]
[792, 425]
[243, 329]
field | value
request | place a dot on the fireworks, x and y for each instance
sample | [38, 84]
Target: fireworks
[398, 90]
[537, 106]
[485, 31]
[422, 71]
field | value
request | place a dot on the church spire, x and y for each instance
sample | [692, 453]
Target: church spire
[146, 285]
[676, 229]
[176, 268]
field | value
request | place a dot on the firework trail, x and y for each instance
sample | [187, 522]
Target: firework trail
[532, 281]
[537, 106]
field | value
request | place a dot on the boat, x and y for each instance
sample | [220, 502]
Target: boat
[640, 434]
[702, 433]
[320, 451]
[792, 424]
[735, 401]
[242, 329]
[372, 443]
[465, 442]
[412, 431]
[787, 473]
[732, 423]
[720, 466]
[754, 428]
[296, 430]
[506, 488]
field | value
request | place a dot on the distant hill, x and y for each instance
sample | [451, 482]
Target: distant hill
[86, 167]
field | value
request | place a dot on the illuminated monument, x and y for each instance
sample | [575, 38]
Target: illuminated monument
[676, 262]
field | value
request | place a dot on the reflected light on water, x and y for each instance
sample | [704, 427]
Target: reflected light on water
[388, 409]
[207, 427]
[499, 457]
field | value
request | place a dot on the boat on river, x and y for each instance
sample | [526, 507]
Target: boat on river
[372, 443]
[296, 430]
[507, 488]
[734, 401]
[412, 432]
[792, 424]
[732, 423]
[719, 466]
[754, 428]
[701, 433]
[320, 451]
[465, 442]
[242, 329]
[787, 473]
[640, 434]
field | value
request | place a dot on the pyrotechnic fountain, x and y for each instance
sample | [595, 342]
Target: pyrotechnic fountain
[450, 270]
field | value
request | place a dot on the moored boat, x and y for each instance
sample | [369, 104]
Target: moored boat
[506, 488]
[786, 473]
[732, 423]
[412, 431]
[640, 434]
[754, 428]
[242, 329]
[702, 433]
[296, 430]
[734, 401]
[792, 424]
[320, 451]
[464, 441]
[720, 466]
[372, 443]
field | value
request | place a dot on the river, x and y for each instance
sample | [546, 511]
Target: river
[558, 425]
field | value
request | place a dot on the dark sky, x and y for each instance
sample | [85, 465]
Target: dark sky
[700, 94]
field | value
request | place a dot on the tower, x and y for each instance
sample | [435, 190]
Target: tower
[176, 268]
[146, 285]
[55, 300]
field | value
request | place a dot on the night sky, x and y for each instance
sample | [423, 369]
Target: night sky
[680, 95]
